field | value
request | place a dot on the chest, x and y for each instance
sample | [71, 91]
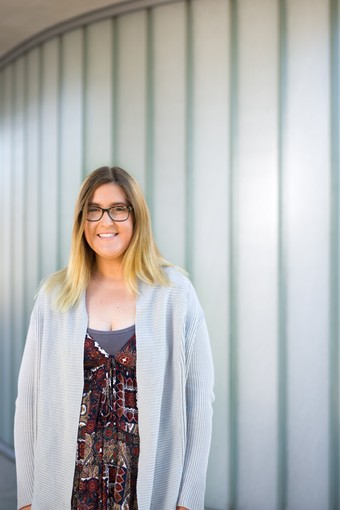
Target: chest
[110, 309]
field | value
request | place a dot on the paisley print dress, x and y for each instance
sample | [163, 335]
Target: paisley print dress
[108, 440]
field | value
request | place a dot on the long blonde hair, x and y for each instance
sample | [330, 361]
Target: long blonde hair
[142, 259]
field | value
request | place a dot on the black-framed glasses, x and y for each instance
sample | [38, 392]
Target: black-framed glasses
[116, 213]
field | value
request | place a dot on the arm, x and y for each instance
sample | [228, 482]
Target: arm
[25, 418]
[199, 397]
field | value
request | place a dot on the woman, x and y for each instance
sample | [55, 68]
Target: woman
[115, 387]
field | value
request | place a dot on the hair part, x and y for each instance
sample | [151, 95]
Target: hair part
[142, 259]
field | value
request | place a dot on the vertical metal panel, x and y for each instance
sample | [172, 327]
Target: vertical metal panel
[307, 168]
[2, 106]
[233, 259]
[189, 148]
[18, 200]
[50, 153]
[98, 88]
[7, 259]
[282, 263]
[256, 195]
[334, 373]
[169, 129]
[32, 170]
[71, 132]
[210, 214]
[2, 244]
[149, 127]
[131, 94]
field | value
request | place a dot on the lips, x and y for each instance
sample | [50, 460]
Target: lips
[110, 235]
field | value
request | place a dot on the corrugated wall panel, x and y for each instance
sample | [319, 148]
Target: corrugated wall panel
[2, 241]
[169, 109]
[130, 73]
[17, 220]
[210, 212]
[227, 113]
[50, 156]
[71, 134]
[256, 219]
[334, 274]
[307, 192]
[98, 94]
[32, 178]
[7, 297]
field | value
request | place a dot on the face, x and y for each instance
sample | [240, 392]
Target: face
[107, 238]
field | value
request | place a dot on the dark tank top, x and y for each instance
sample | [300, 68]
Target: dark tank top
[112, 341]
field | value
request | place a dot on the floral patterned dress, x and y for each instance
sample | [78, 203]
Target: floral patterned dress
[108, 440]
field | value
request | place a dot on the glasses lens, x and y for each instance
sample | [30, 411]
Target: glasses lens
[94, 213]
[119, 213]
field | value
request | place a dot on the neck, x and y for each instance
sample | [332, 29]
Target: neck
[108, 270]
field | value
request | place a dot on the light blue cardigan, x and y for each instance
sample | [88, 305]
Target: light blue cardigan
[175, 394]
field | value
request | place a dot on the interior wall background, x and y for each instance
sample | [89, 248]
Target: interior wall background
[227, 113]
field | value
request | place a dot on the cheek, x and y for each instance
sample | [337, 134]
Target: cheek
[131, 229]
[87, 233]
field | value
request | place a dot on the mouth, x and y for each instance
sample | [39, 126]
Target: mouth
[107, 236]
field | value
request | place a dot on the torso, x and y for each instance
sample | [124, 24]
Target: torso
[110, 306]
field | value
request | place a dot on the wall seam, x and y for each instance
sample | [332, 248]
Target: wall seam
[40, 146]
[149, 177]
[84, 102]
[114, 36]
[59, 148]
[2, 300]
[11, 246]
[282, 269]
[189, 124]
[233, 332]
[334, 498]
[25, 185]
[18, 193]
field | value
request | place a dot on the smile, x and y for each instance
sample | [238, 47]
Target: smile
[107, 236]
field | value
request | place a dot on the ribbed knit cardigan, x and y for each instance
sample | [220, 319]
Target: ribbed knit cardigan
[175, 394]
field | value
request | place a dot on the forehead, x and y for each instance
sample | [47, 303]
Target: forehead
[108, 193]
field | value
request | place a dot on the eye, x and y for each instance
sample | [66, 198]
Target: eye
[119, 208]
[93, 209]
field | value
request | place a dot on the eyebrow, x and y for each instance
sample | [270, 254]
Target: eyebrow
[112, 204]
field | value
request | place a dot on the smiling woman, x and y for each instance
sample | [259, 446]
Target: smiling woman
[115, 388]
[108, 236]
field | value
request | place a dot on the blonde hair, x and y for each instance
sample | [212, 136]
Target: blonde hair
[142, 259]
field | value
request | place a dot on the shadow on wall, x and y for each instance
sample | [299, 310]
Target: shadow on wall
[8, 498]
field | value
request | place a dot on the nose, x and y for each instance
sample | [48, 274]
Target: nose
[106, 218]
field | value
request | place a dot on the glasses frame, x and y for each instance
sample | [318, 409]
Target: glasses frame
[128, 207]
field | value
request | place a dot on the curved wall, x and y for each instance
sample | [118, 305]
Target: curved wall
[227, 114]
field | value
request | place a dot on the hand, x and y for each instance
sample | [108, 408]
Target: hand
[181, 508]
[28, 507]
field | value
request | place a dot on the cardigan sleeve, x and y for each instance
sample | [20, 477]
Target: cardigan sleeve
[199, 398]
[24, 421]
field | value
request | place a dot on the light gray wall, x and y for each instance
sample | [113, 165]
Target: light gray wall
[227, 112]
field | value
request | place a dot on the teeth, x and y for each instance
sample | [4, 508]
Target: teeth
[107, 236]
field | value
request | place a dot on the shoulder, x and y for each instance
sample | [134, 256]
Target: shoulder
[179, 294]
[177, 278]
[179, 281]
[43, 306]
[47, 292]
[46, 299]
[53, 283]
